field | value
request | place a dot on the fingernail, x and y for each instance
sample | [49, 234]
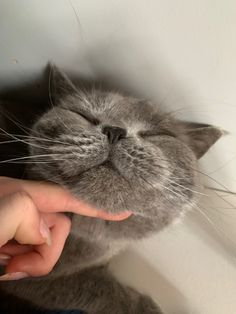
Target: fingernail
[4, 259]
[4, 256]
[13, 276]
[45, 232]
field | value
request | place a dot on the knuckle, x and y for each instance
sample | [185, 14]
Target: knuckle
[25, 200]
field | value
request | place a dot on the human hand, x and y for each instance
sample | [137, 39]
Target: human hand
[29, 215]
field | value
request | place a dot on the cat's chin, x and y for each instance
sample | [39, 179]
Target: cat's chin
[106, 188]
[103, 187]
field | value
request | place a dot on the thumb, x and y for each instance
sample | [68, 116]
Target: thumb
[20, 220]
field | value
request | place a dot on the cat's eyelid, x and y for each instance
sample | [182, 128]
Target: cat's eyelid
[87, 117]
[156, 133]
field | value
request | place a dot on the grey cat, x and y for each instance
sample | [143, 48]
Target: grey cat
[117, 153]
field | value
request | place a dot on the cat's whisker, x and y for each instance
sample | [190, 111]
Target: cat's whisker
[51, 141]
[22, 127]
[219, 190]
[30, 162]
[211, 178]
[32, 137]
[18, 139]
[204, 214]
[30, 157]
[10, 141]
[28, 139]
[163, 186]
[225, 189]
[218, 230]
[185, 188]
[220, 184]
[222, 210]
[224, 200]
[16, 122]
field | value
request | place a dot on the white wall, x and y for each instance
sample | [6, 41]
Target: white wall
[182, 54]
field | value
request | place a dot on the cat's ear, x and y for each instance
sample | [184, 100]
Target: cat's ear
[200, 136]
[60, 86]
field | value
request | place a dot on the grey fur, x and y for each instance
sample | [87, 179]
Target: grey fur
[150, 172]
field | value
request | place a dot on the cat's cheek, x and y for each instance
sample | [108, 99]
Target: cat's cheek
[77, 156]
[140, 164]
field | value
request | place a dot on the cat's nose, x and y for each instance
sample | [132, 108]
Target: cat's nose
[113, 133]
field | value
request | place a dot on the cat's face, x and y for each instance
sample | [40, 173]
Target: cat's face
[119, 153]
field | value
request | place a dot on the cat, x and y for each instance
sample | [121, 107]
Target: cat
[117, 153]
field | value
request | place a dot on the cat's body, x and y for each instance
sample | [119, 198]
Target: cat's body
[116, 153]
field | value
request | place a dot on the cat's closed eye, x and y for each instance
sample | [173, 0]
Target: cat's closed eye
[155, 134]
[89, 118]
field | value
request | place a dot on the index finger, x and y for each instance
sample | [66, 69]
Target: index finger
[49, 197]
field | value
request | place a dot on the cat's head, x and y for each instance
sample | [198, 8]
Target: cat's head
[119, 153]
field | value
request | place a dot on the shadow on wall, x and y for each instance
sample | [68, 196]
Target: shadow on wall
[136, 271]
[33, 91]
[19, 105]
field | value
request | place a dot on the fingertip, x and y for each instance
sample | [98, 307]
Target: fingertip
[114, 217]
[31, 263]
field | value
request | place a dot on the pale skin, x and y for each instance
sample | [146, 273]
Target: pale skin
[33, 229]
